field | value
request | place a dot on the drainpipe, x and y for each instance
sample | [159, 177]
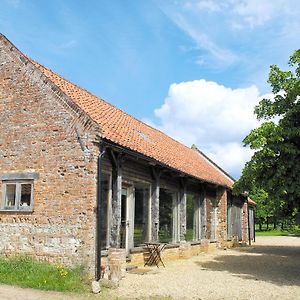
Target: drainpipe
[98, 217]
[248, 217]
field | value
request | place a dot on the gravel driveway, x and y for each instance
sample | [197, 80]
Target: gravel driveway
[268, 270]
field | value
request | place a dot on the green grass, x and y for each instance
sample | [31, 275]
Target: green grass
[277, 232]
[26, 272]
[271, 233]
[189, 234]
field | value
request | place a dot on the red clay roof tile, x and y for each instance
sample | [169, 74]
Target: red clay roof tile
[125, 130]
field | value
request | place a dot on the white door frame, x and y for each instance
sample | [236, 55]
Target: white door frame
[130, 209]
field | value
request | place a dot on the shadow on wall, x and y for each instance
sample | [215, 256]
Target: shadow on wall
[279, 265]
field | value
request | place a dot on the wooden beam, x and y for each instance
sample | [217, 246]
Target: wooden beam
[116, 201]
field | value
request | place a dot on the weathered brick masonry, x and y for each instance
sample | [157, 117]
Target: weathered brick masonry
[222, 216]
[52, 128]
[38, 128]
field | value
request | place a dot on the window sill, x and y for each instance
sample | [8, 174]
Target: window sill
[195, 243]
[17, 210]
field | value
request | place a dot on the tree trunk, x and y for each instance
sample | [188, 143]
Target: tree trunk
[267, 224]
[260, 227]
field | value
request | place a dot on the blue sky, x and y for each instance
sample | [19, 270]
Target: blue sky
[193, 69]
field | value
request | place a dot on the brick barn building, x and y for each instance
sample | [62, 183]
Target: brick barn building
[80, 179]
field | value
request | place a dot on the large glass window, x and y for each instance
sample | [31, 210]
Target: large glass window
[166, 216]
[141, 214]
[190, 212]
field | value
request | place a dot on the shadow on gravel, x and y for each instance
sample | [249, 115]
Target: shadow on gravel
[279, 265]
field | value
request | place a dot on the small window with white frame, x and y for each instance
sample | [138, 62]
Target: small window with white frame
[17, 195]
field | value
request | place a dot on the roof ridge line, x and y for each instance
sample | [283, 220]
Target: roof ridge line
[31, 62]
[201, 169]
[101, 99]
[214, 164]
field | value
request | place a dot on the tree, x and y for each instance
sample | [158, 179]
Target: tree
[275, 164]
[263, 206]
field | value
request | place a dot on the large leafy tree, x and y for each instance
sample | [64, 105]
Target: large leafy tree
[275, 164]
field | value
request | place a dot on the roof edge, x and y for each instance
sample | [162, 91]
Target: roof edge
[213, 163]
[28, 61]
[132, 152]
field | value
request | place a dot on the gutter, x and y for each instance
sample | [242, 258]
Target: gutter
[152, 160]
[98, 213]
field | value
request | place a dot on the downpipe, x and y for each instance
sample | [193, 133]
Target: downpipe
[98, 217]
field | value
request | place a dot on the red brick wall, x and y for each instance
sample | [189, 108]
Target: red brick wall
[222, 214]
[219, 197]
[37, 133]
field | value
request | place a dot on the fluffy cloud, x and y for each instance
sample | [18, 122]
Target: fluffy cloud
[228, 32]
[245, 13]
[213, 117]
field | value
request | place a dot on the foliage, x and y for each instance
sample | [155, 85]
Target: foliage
[26, 272]
[275, 164]
[264, 208]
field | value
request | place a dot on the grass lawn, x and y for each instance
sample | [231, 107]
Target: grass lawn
[277, 232]
[25, 272]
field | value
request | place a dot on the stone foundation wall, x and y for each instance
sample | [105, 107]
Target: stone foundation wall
[182, 251]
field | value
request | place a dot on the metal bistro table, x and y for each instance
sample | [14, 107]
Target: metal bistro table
[154, 250]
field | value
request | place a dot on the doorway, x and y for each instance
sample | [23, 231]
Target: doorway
[127, 208]
[135, 211]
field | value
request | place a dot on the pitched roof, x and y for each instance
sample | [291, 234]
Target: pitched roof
[125, 130]
[222, 171]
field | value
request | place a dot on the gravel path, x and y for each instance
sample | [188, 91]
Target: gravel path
[268, 270]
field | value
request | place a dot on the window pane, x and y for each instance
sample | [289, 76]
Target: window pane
[25, 195]
[165, 216]
[141, 215]
[189, 218]
[10, 195]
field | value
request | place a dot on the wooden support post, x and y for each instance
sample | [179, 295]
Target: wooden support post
[155, 205]
[182, 210]
[116, 200]
[203, 214]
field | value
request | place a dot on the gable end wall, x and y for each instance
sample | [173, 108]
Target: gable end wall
[37, 134]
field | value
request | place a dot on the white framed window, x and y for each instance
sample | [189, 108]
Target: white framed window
[17, 195]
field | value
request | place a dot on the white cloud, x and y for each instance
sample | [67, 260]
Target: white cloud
[231, 156]
[229, 33]
[183, 20]
[254, 13]
[203, 41]
[206, 5]
[213, 117]
[245, 13]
